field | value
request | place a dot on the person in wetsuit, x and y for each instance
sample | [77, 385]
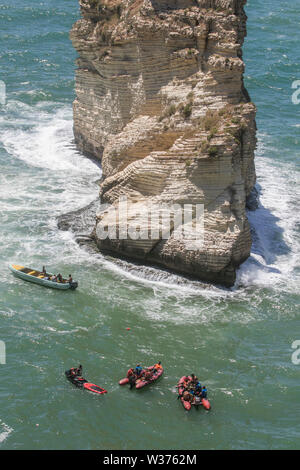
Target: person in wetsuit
[132, 380]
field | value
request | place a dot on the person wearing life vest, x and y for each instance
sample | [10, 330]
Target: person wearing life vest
[75, 371]
[198, 388]
[130, 372]
[185, 382]
[194, 379]
[138, 370]
[186, 396]
[158, 366]
[204, 392]
[148, 374]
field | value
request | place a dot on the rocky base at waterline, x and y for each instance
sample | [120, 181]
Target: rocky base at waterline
[160, 100]
[81, 223]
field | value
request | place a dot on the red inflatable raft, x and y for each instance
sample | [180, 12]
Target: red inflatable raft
[143, 381]
[126, 379]
[195, 401]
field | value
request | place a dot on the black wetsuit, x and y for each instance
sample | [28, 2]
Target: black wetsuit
[132, 380]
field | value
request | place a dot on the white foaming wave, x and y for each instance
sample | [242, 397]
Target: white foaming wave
[5, 431]
[160, 281]
[41, 136]
[275, 252]
[48, 143]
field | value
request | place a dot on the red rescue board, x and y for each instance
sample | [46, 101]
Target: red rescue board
[94, 388]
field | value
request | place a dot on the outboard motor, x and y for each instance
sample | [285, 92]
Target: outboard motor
[197, 401]
[73, 285]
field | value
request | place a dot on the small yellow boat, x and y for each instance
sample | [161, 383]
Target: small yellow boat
[38, 277]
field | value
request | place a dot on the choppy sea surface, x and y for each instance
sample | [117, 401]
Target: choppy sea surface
[238, 341]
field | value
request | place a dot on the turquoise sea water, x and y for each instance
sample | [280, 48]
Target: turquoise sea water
[238, 341]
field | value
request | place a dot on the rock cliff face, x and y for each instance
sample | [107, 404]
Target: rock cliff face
[161, 101]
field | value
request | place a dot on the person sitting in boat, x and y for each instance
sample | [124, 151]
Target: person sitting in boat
[204, 392]
[130, 372]
[138, 370]
[198, 388]
[186, 396]
[70, 280]
[148, 374]
[186, 382]
[194, 379]
[158, 366]
[44, 271]
[53, 278]
[59, 278]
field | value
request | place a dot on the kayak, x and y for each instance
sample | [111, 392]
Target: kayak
[80, 382]
[142, 382]
[197, 401]
[38, 277]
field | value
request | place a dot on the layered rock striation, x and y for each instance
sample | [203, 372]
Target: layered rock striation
[160, 99]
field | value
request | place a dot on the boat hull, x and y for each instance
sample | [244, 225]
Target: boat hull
[140, 383]
[17, 271]
[124, 381]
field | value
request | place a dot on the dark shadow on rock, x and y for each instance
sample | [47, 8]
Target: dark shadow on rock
[165, 5]
[80, 222]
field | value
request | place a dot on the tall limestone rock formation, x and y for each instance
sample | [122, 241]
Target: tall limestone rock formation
[161, 102]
